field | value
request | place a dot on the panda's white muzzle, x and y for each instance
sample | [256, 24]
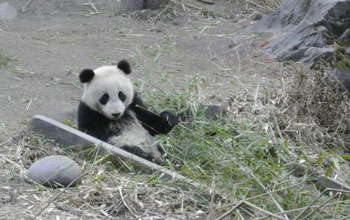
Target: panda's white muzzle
[113, 109]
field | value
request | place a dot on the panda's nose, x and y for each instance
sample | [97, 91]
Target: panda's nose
[116, 115]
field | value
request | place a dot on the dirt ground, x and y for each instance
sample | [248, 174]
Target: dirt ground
[49, 43]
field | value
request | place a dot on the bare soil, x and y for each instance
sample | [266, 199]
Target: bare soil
[52, 41]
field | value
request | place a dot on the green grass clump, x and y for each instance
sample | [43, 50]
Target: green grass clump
[240, 160]
[4, 61]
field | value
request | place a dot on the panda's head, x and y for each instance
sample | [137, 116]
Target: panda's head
[107, 89]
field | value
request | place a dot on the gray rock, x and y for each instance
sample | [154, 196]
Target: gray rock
[55, 171]
[156, 4]
[67, 135]
[131, 5]
[298, 25]
[257, 16]
[328, 183]
[213, 112]
[313, 54]
[343, 77]
[134, 5]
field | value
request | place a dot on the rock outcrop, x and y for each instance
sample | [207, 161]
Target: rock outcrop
[305, 30]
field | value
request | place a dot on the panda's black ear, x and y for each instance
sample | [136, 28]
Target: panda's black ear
[125, 66]
[86, 75]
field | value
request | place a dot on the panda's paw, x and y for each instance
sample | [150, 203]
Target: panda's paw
[151, 154]
[170, 118]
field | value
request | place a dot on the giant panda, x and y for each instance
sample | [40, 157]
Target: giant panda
[112, 111]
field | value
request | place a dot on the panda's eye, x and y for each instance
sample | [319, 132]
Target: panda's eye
[104, 99]
[122, 96]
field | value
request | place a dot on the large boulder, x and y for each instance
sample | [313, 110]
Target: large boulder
[304, 30]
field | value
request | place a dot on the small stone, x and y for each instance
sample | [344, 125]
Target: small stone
[131, 5]
[343, 77]
[257, 16]
[134, 5]
[55, 171]
[213, 112]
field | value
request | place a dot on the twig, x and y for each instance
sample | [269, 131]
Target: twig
[262, 210]
[273, 198]
[122, 197]
[13, 138]
[232, 49]
[93, 7]
[192, 6]
[321, 207]
[346, 217]
[212, 199]
[294, 210]
[266, 193]
[6, 142]
[26, 6]
[277, 127]
[250, 59]
[29, 103]
[212, 53]
[161, 12]
[58, 195]
[260, 6]
[315, 200]
[230, 211]
[207, 2]
[239, 62]
[247, 170]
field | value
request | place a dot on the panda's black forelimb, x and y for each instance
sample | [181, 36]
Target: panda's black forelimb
[92, 122]
[139, 152]
[153, 123]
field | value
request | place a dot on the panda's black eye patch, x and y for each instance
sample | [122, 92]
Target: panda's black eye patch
[104, 99]
[122, 96]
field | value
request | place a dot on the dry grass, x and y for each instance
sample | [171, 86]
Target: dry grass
[308, 109]
[318, 109]
[107, 191]
[176, 10]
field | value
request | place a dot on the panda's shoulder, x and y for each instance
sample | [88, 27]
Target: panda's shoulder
[89, 118]
[136, 102]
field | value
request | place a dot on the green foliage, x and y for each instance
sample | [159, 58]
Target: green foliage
[4, 61]
[332, 161]
[70, 123]
[340, 60]
[240, 160]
